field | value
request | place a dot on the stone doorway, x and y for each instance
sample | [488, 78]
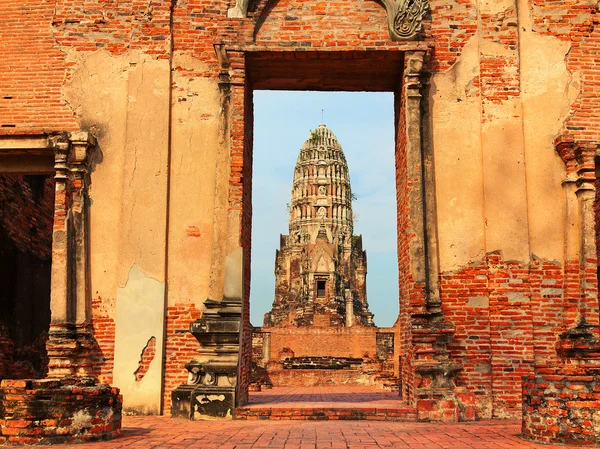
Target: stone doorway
[318, 341]
[397, 71]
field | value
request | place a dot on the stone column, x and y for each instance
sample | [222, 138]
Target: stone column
[556, 399]
[349, 308]
[70, 338]
[266, 356]
[580, 234]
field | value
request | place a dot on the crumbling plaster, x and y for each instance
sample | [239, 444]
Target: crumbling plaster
[136, 184]
[126, 100]
[139, 317]
[193, 176]
[502, 148]
[548, 91]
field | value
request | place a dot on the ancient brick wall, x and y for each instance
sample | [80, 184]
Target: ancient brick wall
[506, 312]
[103, 325]
[355, 341]
[410, 293]
[81, 411]
[560, 405]
[180, 348]
[577, 23]
[36, 60]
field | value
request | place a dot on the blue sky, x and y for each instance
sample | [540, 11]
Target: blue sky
[364, 125]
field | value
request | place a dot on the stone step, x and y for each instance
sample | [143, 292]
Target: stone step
[405, 414]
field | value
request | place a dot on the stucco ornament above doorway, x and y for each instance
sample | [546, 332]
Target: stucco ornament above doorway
[405, 17]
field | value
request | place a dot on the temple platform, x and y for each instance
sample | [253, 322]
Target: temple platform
[326, 403]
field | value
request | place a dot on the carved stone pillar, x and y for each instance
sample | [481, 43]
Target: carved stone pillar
[70, 338]
[580, 235]
[266, 348]
[212, 379]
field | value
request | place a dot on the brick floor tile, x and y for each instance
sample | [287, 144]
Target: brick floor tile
[164, 433]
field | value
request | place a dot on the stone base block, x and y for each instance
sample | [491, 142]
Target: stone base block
[50, 411]
[562, 405]
[202, 402]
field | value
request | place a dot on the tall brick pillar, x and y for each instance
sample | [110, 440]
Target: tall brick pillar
[219, 376]
[560, 402]
[70, 339]
[430, 373]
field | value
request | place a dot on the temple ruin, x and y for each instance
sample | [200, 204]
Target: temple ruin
[140, 117]
[320, 330]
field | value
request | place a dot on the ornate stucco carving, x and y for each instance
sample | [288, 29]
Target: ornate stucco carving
[405, 18]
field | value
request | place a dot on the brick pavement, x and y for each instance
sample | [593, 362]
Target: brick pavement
[339, 397]
[326, 403]
[149, 432]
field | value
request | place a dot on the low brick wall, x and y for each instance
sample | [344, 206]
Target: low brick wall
[562, 405]
[52, 411]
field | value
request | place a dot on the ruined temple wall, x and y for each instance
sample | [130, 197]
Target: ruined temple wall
[508, 288]
[507, 78]
[108, 69]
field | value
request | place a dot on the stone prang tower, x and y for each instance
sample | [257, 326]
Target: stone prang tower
[320, 268]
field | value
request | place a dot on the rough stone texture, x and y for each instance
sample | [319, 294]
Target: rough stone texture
[560, 402]
[561, 405]
[57, 411]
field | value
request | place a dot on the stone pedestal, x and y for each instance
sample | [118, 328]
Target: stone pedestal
[67, 410]
[211, 389]
[436, 395]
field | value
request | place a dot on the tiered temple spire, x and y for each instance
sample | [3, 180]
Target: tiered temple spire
[321, 267]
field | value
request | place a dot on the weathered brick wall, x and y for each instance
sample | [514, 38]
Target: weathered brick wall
[245, 120]
[27, 212]
[355, 341]
[506, 314]
[103, 325]
[576, 22]
[181, 347]
[81, 411]
[560, 405]
[35, 60]
[411, 294]
[365, 376]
